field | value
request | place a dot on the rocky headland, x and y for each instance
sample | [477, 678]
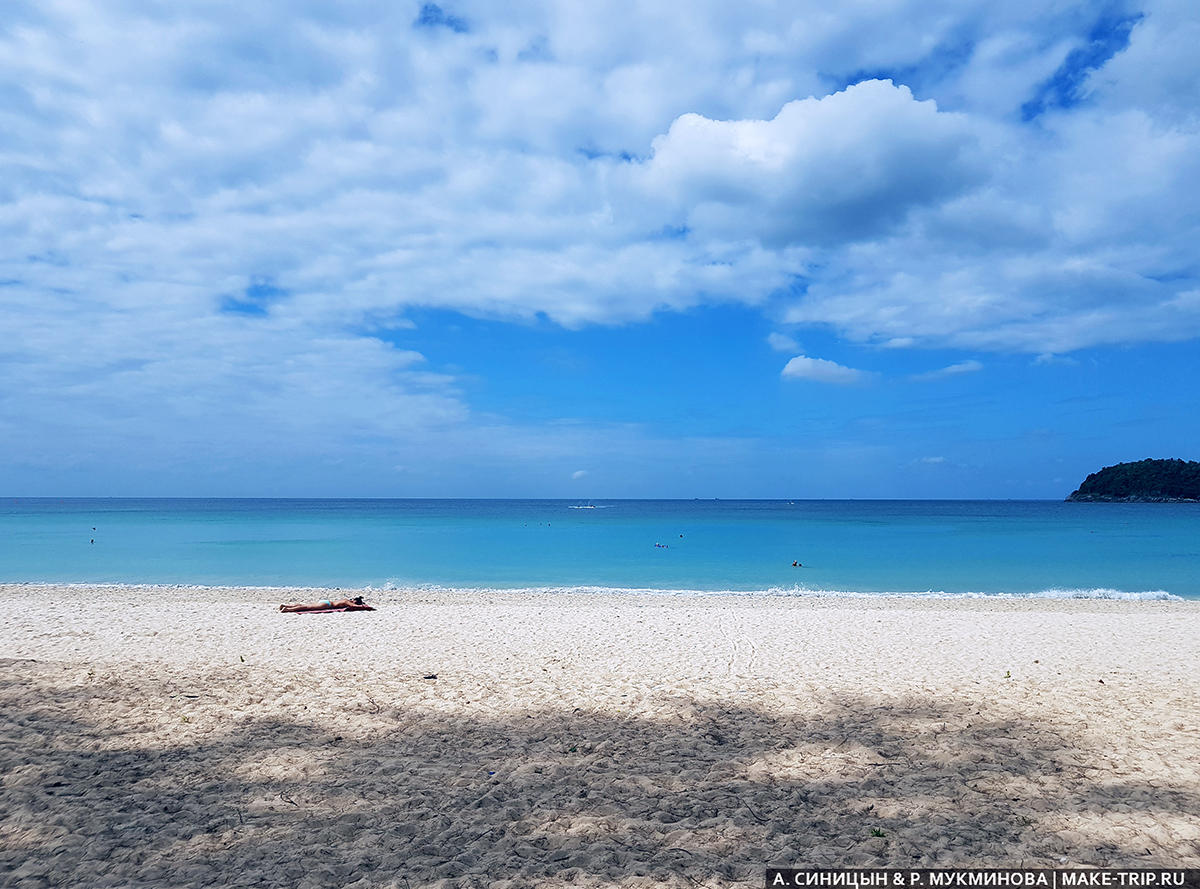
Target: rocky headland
[1143, 481]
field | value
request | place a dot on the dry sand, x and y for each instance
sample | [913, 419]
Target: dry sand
[195, 737]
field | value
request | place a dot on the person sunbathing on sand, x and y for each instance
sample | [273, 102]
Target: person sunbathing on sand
[355, 604]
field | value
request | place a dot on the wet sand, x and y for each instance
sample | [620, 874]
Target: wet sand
[195, 737]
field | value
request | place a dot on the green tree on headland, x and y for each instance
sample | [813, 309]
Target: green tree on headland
[1145, 480]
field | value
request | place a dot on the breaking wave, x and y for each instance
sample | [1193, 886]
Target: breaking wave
[1101, 593]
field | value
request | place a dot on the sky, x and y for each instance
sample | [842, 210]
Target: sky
[872, 249]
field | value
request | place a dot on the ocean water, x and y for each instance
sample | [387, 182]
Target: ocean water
[1042, 548]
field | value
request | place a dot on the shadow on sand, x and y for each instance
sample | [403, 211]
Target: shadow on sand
[704, 794]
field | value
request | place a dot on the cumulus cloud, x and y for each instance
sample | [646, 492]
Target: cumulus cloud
[215, 214]
[579, 473]
[431, 155]
[821, 370]
[823, 171]
[1078, 239]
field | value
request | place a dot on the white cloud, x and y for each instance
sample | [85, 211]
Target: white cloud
[953, 370]
[1080, 237]
[367, 166]
[781, 342]
[1156, 73]
[579, 473]
[821, 172]
[821, 370]
[559, 161]
[1048, 358]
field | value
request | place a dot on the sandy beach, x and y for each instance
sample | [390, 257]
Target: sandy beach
[195, 737]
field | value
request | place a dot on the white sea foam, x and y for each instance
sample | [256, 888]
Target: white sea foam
[397, 586]
[791, 592]
[1103, 593]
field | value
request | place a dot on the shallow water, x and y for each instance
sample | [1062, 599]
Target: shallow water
[950, 547]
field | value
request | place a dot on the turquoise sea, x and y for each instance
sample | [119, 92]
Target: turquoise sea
[1045, 548]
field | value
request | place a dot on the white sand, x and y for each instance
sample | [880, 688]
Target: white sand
[195, 737]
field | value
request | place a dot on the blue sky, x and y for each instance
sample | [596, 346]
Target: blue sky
[882, 249]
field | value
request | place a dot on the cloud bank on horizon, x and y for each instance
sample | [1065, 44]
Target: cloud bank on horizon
[219, 216]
